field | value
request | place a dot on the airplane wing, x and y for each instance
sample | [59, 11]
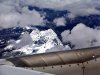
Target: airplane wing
[57, 58]
[72, 62]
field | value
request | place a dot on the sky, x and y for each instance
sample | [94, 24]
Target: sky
[16, 13]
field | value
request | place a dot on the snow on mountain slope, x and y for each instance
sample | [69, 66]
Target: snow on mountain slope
[46, 39]
[47, 35]
[41, 42]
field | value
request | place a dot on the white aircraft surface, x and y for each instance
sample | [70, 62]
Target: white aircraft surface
[9, 70]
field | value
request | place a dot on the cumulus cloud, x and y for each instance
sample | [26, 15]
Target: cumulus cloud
[15, 12]
[11, 14]
[60, 21]
[59, 48]
[76, 7]
[82, 36]
[24, 40]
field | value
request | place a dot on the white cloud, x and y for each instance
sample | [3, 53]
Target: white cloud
[76, 7]
[31, 18]
[60, 21]
[15, 19]
[24, 40]
[82, 36]
[14, 12]
[10, 15]
[59, 48]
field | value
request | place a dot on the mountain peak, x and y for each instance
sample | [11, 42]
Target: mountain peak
[41, 42]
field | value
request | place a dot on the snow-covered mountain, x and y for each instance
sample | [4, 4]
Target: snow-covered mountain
[41, 41]
[28, 27]
[35, 42]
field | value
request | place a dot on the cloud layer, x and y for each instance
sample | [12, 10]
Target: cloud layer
[12, 14]
[60, 21]
[82, 36]
[76, 7]
[15, 12]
